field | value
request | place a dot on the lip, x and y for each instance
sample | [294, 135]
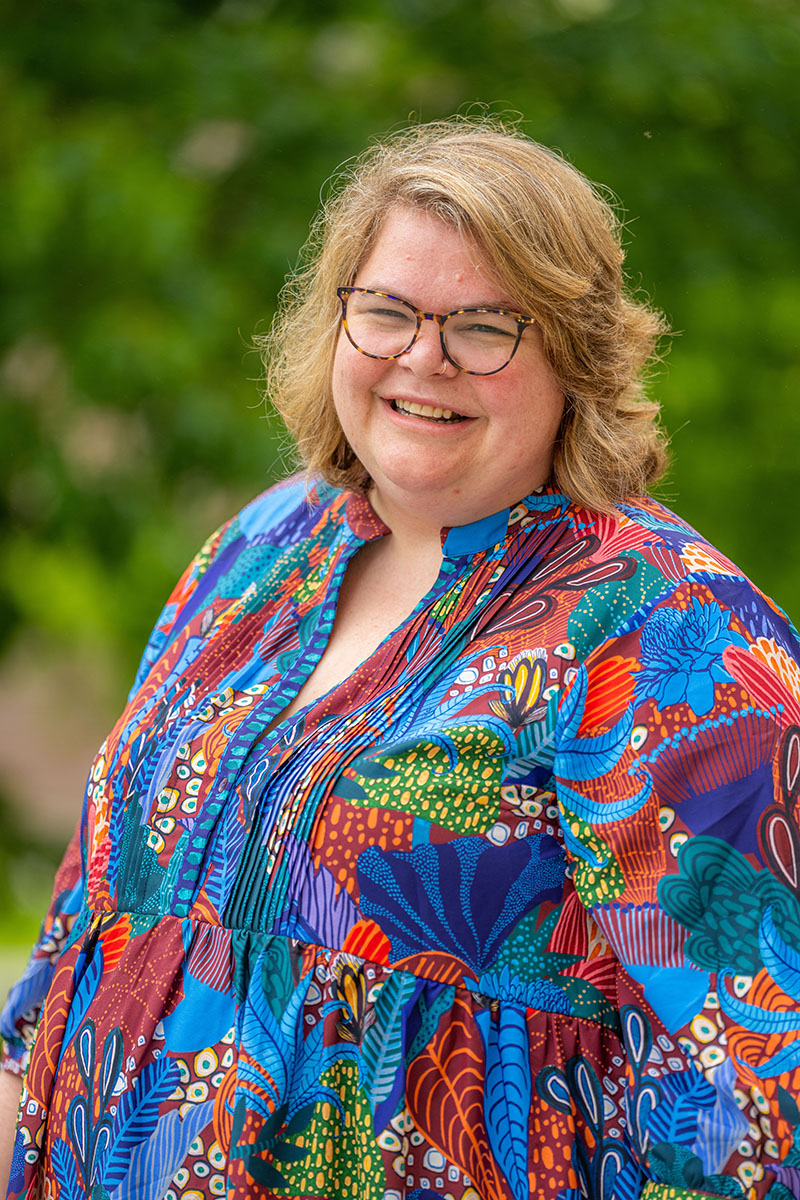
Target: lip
[428, 401]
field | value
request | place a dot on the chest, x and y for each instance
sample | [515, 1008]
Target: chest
[376, 597]
[445, 730]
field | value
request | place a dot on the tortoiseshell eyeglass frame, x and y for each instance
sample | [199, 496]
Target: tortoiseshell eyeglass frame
[344, 294]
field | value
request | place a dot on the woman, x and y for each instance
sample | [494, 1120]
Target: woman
[447, 844]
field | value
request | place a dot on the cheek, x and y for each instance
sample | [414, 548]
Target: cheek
[341, 382]
[351, 382]
[538, 397]
[339, 370]
[353, 374]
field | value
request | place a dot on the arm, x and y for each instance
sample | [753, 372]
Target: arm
[205, 592]
[21, 1012]
[679, 802]
[10, 1092]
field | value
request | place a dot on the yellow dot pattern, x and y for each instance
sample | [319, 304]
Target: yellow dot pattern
[447, 604]
[665, 1191]
[464, 798]
[311, 584]
[344, 1159]
[594, 884]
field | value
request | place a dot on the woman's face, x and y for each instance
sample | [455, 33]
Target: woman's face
[434, 471]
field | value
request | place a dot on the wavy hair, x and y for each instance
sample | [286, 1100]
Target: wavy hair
[553, 244]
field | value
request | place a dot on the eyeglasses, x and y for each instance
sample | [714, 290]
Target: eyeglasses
[479, 341]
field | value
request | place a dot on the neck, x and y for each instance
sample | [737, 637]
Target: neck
[411, 530]
[411, 554]
[418, 525]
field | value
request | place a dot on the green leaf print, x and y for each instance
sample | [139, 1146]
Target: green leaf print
[596, 874]
[607, 605]
[455, 782]
[340, 1156]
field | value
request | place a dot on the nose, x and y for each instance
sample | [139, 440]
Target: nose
[426, 356]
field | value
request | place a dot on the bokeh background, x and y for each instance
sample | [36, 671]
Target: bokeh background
[160, 165]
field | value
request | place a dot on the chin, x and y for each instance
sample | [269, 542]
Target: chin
[412, 479]
[405, 470]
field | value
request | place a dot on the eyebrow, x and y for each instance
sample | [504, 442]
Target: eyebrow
[491, 305]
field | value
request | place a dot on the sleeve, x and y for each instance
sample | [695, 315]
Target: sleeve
[18, 1019]
[183, 600]
[678, 780]
[214, 576]
[21, 1012]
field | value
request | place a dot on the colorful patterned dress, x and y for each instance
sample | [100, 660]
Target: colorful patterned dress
[513, 911]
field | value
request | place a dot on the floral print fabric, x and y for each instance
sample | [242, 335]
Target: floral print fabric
[512, 911]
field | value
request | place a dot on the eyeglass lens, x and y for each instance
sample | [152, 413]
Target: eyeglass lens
[475, 340]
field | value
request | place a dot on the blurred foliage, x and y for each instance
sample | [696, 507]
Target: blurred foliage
[161, 162]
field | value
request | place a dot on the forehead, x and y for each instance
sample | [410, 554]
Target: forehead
[421, 258]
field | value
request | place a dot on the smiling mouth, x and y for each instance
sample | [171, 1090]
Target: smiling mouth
[442, 416]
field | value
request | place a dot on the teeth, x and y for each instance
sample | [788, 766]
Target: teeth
[424, 410]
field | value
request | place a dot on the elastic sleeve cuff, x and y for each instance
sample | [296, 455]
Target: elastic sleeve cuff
[13, 1057]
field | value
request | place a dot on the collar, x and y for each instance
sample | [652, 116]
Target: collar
[459, 541]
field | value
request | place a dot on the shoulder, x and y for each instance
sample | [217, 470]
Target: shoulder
[671, 637]
[690, 563]
[678, 592]
[241, 550]
[274, 526]
[282, 514]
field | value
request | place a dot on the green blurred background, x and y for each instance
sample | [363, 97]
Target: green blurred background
[160, 165]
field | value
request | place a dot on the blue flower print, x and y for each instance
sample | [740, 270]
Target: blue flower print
[681, 656]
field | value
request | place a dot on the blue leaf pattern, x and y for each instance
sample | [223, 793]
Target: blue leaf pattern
[721, 1128]
[137, 1116]
[782, 962]
[154, 1161]
[448, 894]
[64, 1162]
[89, 981]
[508, 1092]
[684, 1094]
[382, 1048]
[584, 758]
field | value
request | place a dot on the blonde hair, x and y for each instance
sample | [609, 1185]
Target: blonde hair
[551, 241]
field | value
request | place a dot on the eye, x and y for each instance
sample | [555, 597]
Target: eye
[377, 312]
[482, 326]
